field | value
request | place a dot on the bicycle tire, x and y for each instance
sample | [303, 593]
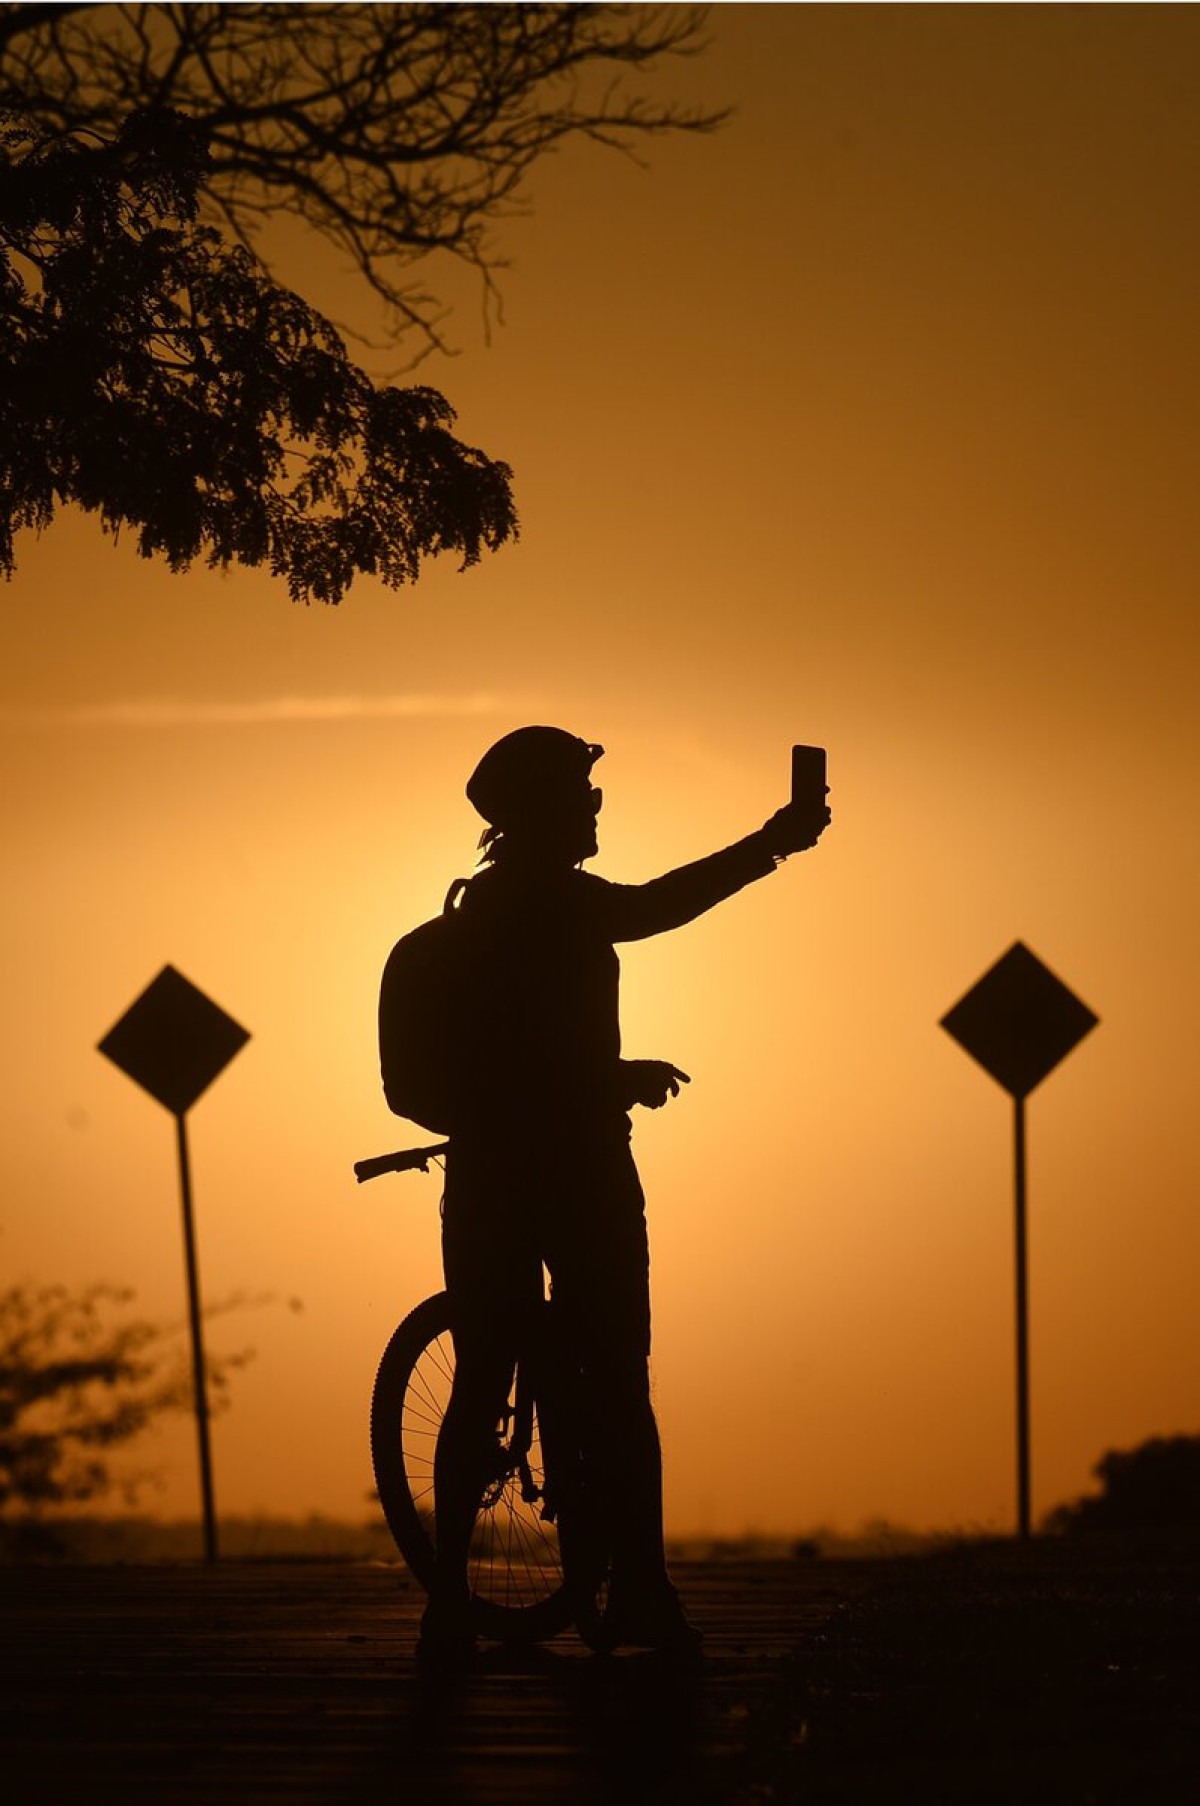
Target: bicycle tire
[518, 1592]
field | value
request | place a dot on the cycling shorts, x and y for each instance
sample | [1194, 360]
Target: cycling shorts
[576, 1207]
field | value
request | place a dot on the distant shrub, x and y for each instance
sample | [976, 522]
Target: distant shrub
[1148, 1490]
[80, 1380]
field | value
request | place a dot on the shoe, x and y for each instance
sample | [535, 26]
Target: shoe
[447, 1640]
[654, 1620]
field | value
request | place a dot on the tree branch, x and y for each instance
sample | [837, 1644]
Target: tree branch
[390, 130]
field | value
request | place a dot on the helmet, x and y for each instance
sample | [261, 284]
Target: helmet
[530, 767]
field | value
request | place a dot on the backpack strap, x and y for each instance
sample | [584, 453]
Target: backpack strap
[455, 895]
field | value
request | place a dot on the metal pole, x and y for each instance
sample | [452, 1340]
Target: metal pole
[198, 1373]
[1022, 1325]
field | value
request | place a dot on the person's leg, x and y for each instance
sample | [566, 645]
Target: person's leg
[482, 1377]
[623, 1445]
[491, 1281]
[599, 1263]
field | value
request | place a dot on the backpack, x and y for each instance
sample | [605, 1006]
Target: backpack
[424, 998]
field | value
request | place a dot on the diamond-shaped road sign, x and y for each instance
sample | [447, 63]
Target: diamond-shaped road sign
[1019, 1020]
[173, 1041]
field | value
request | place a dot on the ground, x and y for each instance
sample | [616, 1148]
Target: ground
[985, 1673]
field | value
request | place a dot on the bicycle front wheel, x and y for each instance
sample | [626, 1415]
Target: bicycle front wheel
[515, 1571]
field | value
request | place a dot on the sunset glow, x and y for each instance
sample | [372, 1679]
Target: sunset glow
[868, 422]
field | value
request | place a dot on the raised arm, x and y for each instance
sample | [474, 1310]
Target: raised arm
[635, 911]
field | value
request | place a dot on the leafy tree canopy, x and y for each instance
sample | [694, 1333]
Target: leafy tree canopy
[155, 374]
[153, 370]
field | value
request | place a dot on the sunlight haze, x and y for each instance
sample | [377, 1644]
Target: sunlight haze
[867, 421]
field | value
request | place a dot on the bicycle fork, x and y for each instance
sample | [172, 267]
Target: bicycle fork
[514, 1442]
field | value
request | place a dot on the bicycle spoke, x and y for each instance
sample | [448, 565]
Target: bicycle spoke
[432, 1397]
[441, 1356]
[539, 1549]
[535, 1570]
[546, 1547]
[514, 1560]
[510, 1566]
[422, 1422]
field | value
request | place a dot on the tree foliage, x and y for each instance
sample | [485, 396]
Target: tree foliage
[78, 1384]
[156, 375]
[153, 370]
[1151, 1489]
[394, 132]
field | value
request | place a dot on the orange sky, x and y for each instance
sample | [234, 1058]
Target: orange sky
[870, 420]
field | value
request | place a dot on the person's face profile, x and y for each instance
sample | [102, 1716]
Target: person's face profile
[587, 822]
[578, 822]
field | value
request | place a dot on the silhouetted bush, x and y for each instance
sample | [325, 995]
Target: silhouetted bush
[79, 1380]
[1148, 1490]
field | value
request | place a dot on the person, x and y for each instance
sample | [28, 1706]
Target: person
[540, 1167]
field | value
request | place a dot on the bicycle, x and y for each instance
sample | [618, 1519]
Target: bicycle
[539, 1556]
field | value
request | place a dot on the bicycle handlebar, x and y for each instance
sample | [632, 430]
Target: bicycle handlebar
[405, 1160]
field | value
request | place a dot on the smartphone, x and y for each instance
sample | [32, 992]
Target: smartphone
[809, 775]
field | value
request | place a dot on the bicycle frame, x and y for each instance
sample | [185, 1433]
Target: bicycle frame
[519, 1443]
[408, 1160]
[529, 1418]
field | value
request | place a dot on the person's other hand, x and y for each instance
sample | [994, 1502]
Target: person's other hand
[796, 827]
[652, 1082]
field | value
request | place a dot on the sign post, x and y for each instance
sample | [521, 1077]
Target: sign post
[1018, 1021]
[173, 1041]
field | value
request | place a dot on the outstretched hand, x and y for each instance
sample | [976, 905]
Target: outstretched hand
[796, 827]
[651, 1082]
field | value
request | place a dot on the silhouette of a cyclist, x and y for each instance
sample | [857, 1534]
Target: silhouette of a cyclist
[540, 1166]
